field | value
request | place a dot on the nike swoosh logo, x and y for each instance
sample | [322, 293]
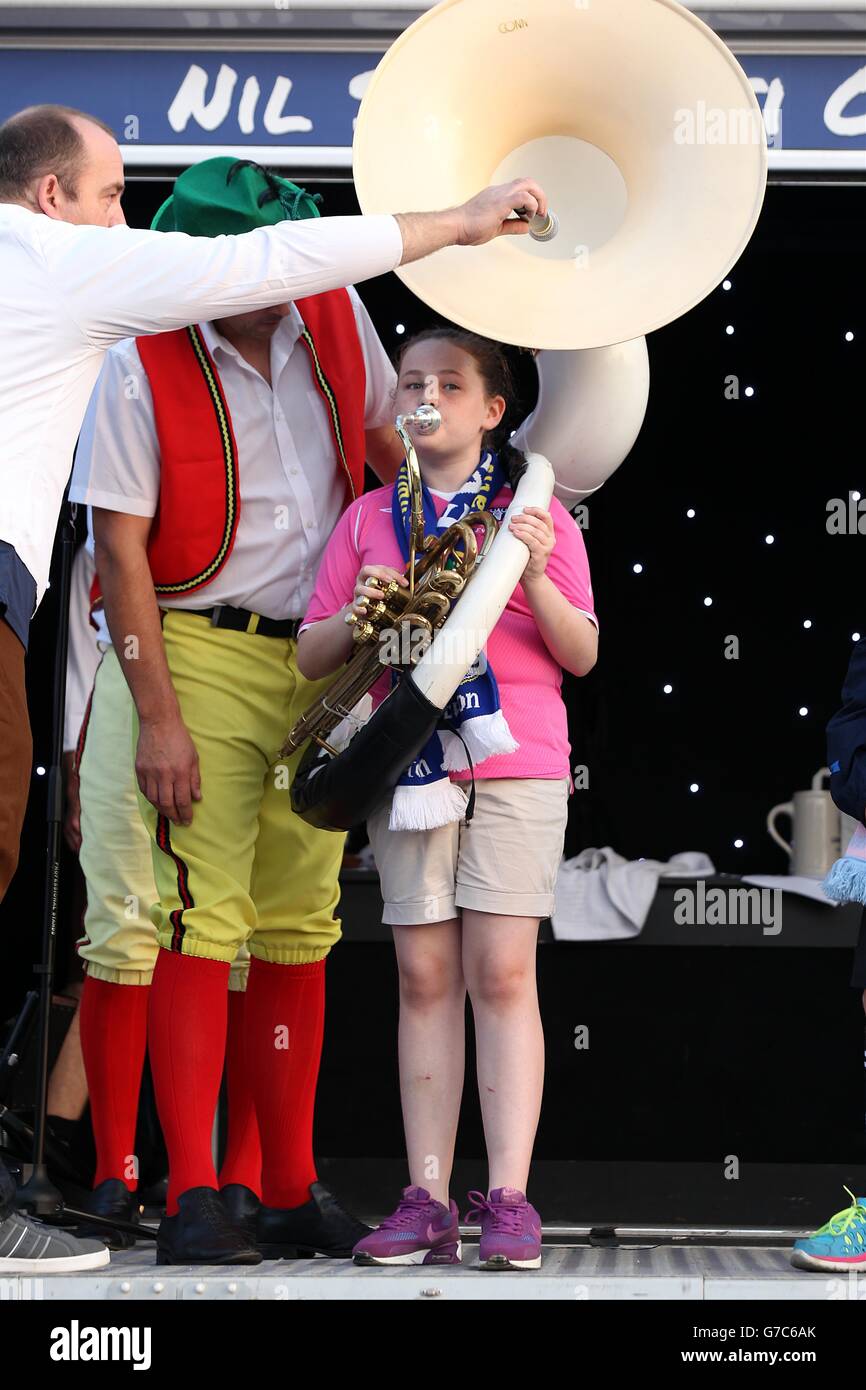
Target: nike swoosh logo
[432, 1232]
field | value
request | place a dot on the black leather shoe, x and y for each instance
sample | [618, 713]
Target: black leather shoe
[111, 1198]
[318, 1227]
[202, 1234]
[242, 1207]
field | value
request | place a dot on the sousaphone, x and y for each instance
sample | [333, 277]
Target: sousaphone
[645, 134]
[635, 118]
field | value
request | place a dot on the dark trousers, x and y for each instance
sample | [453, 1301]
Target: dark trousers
[16, 752]
[16, 756]
[858, 978]
[7, 1191]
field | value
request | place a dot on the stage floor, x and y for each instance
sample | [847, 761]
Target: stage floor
[568, 1271]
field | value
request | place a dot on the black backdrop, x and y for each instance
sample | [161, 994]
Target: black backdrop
[749, 467]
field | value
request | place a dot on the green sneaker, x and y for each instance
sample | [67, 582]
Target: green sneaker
[840, 1245]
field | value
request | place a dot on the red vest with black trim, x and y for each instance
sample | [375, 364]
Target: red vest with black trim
[200, 495]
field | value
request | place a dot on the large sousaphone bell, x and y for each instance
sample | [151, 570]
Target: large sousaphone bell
[647, 139]
[635, 118]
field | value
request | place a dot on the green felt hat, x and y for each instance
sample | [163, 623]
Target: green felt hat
[225, 196]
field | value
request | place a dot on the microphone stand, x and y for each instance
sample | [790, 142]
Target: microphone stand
[39, 1193]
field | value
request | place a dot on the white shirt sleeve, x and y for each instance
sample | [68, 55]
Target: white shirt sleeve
[83, 655]
[381, 378]
[117, 460]
[120, 281]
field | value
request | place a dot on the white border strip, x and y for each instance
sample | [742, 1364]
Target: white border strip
[817, 159]
[818, 45]
[340, 156]
[410, 6]
[180, 156]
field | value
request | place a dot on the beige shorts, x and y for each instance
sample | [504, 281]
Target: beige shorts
[504, 861]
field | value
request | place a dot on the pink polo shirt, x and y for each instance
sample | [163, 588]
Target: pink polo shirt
[528, 677]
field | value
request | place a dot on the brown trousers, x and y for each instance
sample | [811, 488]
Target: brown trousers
[16, 752]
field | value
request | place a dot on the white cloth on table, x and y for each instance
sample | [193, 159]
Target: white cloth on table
[792, 883]
[601, 896]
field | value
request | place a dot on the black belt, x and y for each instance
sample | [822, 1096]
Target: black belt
[242, 620]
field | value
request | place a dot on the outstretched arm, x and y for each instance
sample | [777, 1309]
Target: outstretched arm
[117, 282]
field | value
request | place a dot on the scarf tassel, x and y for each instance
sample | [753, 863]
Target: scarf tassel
[485, 737]
[426, 807]
[846, 881]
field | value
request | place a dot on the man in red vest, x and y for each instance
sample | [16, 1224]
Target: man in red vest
[217, 460]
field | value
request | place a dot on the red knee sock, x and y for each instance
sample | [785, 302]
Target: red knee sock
[242, 1162]
[285, 1019]
[113, 1038]
[187, 1039]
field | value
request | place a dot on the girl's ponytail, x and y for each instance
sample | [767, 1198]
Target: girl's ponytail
[513, 463]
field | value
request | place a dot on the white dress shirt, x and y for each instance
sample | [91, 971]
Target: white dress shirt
[68, 292]
[84, 654]
[293, 487]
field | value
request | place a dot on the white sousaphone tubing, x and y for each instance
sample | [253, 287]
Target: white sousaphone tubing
[478, 609]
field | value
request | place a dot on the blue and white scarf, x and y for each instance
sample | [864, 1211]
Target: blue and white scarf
[472, 722]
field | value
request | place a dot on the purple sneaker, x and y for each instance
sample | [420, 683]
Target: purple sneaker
[510, 1229]
[420, 1232]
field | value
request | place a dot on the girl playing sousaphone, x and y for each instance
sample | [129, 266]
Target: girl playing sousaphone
[465, 897]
